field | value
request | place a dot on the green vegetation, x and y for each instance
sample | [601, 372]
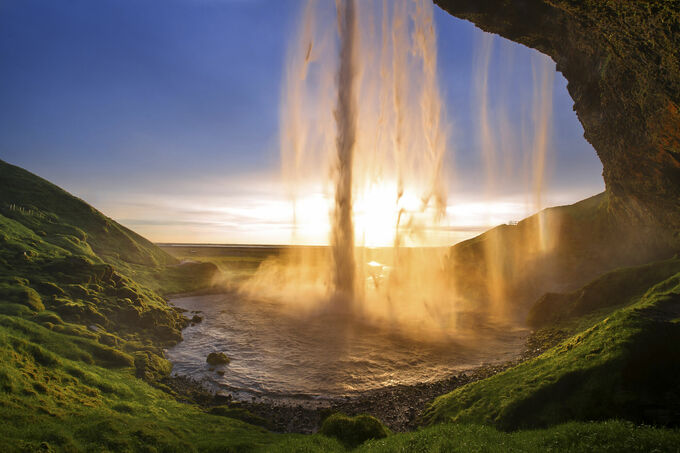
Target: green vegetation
[82, 327]
[353, 431]
[239, 414]
[71, 393]
[561, 247]
[610, 436]
[217, 358]
[60, 254]
[624, 366]
[83, 323]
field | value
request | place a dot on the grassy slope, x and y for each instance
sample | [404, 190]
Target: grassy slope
[38, 198]
[67, 387]
[578, 243]
[610, 436]
[59, 253]
[63, 391]
[63, 267]
[600, 295]
[623, 366]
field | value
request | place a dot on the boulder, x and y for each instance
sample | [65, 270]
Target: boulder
[217, 358]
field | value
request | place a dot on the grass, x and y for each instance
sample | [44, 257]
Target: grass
[59, 253]
[82, 327]
[622, 367]
[609, 436]
[75, 394]
[83, 323]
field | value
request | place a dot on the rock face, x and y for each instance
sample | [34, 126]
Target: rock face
[621, 59]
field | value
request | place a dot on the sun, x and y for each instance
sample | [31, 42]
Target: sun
[376, 212]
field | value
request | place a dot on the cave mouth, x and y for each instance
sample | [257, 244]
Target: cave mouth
[621, 63]
[517, 141]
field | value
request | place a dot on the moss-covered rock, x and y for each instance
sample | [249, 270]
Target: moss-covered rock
[217, 358]
[353, 431]
[151, 367]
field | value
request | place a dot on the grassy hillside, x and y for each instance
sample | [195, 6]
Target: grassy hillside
[82, 327]
[61, 255]
[624, 365]
[83, 323]
[602, 295]
[50, 212]
[556, 250]
[65, 391]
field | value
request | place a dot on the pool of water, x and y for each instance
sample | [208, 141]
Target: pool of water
[278, 354]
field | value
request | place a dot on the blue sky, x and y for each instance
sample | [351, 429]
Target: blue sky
[164, 114]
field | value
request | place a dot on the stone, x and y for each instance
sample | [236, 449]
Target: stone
[217, 358]
[196, 319]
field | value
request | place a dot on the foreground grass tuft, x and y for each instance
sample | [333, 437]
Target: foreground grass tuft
[353, 431]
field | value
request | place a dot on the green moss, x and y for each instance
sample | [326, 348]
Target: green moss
[47, 394]
[150, 366]
[47, 316]
[353, 431]
[217, 358]
[16, 291]
[111, 357]
[612, 436]
[15, 310]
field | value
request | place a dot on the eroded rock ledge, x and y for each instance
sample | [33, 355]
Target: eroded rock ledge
[621, 59]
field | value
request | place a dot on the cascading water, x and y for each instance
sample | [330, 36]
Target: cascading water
[363, 127]
[363, 122]
[342, 239]
[364, 103]
[500, 149]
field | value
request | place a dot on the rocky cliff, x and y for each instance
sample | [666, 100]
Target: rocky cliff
[621, 59]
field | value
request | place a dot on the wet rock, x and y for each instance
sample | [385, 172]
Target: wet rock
[222, 398]
[196, 319]
[217, 358]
